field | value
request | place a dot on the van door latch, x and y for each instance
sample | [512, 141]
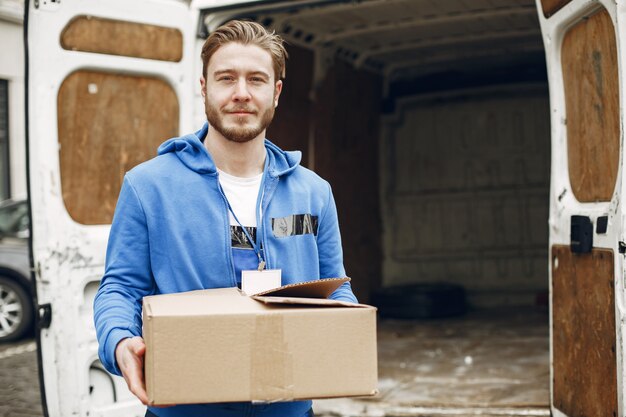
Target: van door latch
[44, 316]
[581, 234]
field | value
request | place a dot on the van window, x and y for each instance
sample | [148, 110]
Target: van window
[108, 123]
[13, 218]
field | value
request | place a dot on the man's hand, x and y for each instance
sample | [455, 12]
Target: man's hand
[129, 355]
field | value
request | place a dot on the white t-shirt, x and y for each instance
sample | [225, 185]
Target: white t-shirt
[242, 195]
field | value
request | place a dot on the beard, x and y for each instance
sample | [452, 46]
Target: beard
[237, 133]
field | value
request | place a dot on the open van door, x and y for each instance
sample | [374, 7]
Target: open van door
[584, 42]
[107, 82]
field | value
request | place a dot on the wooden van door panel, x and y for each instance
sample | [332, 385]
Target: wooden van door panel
[583, 332]
[107, 82]
[589, 62]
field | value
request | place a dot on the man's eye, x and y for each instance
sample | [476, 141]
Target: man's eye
[257, 80]
[225, 78]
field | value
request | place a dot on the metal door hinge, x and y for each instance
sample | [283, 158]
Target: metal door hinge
[602, 224]
[37, 271]
[621, 247]
[44, 316]
[47, 4]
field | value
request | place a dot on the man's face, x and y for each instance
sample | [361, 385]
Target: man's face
[240, 91]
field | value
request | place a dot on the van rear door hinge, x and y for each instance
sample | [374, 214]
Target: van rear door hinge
[621, 247]
[47, 4]
[44, 316]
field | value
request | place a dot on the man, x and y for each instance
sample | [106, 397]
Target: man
[212, 204]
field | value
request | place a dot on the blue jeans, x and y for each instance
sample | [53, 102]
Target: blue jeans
[308, 414]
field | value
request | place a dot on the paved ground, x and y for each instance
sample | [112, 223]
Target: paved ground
[19, 384]
[488, 363]
[485, 364]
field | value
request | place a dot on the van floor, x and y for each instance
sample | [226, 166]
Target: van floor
[490, 363]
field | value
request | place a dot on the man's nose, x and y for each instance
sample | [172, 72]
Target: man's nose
[241, 91]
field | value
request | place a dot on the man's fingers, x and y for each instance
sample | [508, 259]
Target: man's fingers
[135, 381]
[140, 392]
[140, 350]
[138, 346]
[131, 365]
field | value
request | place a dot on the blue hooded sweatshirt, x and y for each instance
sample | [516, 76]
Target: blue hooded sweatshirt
[171, 233]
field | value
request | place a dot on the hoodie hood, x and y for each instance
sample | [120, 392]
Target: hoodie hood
[192, 153]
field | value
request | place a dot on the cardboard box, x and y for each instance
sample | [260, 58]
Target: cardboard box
[286, 344]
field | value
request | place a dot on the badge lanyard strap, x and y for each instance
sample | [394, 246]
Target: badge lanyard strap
[252, 242]
[256, 248]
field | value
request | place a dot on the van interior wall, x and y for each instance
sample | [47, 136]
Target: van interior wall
[292, 122]
[340, 124]
[466, 178]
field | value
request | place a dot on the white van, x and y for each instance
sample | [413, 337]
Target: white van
[430, 119]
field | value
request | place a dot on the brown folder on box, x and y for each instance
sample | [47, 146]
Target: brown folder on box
[310, 292]
[290, 343]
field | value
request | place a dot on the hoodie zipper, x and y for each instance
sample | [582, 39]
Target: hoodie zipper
[268, 196]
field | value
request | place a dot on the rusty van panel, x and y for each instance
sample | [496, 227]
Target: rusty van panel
[550, 7]
[583, 320]
[108, 123]
[589, 61]
[115, 37]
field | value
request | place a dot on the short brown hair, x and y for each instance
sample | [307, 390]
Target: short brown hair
[247, 33]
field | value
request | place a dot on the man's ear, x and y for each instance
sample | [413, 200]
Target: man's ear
[277, 90]
[203, 86]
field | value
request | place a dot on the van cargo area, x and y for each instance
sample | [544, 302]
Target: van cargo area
[431, 121]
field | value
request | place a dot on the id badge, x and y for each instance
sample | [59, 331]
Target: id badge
[254, 282]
